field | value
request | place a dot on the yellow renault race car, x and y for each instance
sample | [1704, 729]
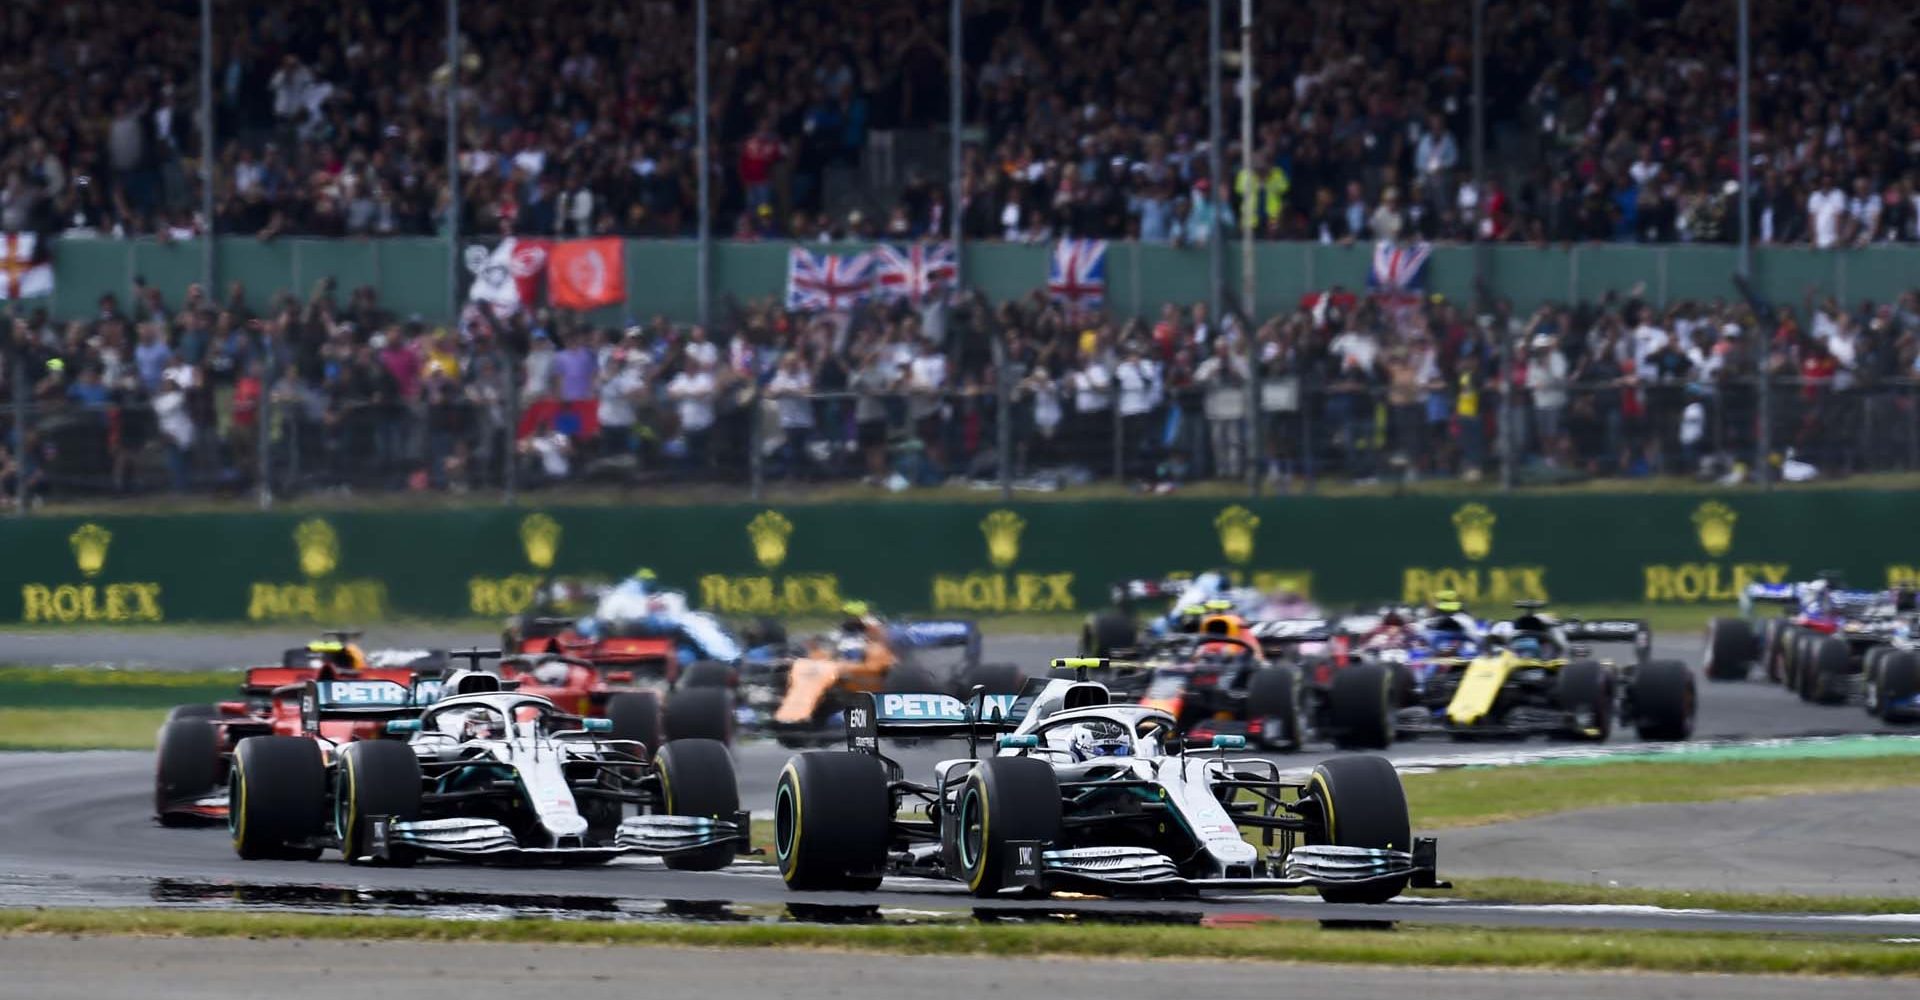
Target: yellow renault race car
[1534, 675]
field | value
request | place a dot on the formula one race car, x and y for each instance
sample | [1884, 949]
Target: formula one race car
[484, 774]
[798, 693]
[193, 750]
[1534, 675]
[1085, 795]
[1116, 628]
[1823, 647]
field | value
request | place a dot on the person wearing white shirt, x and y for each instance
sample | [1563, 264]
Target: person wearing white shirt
[1224, 374]
[622, 385]
[700, 349]
[692, 392]
[926, 385]
[1825, 208]
[1138, 379]
[790, 388]
[1648, 338]
[176, 425]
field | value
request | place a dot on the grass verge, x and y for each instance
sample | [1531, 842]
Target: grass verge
[1473, 796]
[79, 729]
[1273, 941]
[1541, 892]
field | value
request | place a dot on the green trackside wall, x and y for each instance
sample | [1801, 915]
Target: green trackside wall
[956, 558]
[411, 272]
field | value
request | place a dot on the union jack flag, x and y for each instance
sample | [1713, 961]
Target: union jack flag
[1399, 270]
[827, 281]
[1077, 274]
[915, 272]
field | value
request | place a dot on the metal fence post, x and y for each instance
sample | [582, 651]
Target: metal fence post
[1002, 410]
[510, 453]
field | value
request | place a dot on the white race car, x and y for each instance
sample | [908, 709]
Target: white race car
[1086, 795]
[482, 774]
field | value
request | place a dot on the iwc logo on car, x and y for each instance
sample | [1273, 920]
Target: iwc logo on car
[90, 600]
[1709, 580]
[320, 598]
[1473, 525]
[1003, 588]
[509, 595]
[770, 593]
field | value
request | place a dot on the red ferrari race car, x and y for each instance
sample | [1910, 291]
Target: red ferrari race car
[194, 748]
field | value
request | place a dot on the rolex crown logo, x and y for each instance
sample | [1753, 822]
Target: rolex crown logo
[319, 547]
[1714, 521]
[1003, 528]
[1236, 526]
[90, 547]
[540, 537]
[1474, 524]
[769, 532]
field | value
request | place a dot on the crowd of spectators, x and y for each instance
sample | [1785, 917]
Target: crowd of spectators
[1607, 121]
[334, 392]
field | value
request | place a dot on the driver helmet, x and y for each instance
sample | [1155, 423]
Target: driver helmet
[478, 724]
[1099, 738]
[1447, 602]
[1526, 646]
[552, 673]
[854, 616]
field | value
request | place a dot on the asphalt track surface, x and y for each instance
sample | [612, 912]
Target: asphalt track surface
[52, 968]
[76, 829]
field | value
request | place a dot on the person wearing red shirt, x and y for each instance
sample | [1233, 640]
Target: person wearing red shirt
[758, 156]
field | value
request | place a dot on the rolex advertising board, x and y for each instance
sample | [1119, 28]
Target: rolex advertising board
[970, 559]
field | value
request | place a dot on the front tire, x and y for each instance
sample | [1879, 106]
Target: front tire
[1899, 681]
[1362, 804]
[832, 813]
[278, 798]
[995, 678]
[375, 778]
[1664, 701]
[1585, 692]
[1275, 698]
[1005, 799]
[1360, 707]
[697, 779]
[1824, 681]
[1729, 649]
[1106, 631]
[706, 674]
[186, 766]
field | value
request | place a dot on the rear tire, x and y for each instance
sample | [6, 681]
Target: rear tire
[697, 779]
[832, 814]
[906, 678]
[996, 678]
[636, 716]
[1773, 636]
[1005, 799]
[702, 713]
[1729, 649]
[1899, 680]
[705, 674]
[1360, 707]
[375, 778]
[178, 712]
[1106, 631]
[1585, 691]
[186, 767]
[1362, 804]
[1664, 700]
[1824, 681]
[1274, 697]
[279, 814]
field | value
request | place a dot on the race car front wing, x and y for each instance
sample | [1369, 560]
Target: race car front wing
[1140, 869]
[487, 841]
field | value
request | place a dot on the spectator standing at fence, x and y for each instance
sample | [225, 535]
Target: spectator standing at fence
[622, 385]
[694, 392]
[1826, 212]
[1138, 380]
[791, 389]
[1223, 378]
[176, 426]
[1547, 384]
[1092, 383]
[1434, 158]
[927, 379]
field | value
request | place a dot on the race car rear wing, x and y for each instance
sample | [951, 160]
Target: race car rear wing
[956, 633]
[363, 700]
[1281, 634]
[1634, 631]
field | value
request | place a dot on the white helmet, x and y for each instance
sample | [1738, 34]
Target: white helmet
[1099, 738]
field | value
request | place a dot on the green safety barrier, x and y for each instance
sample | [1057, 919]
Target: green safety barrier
[410, 273]
[947, 558]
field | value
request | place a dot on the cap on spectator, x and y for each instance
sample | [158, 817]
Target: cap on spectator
[1542, 340]
[635, 333]
[1730, 330]
[378, 341]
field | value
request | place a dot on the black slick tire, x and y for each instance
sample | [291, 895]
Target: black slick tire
[832, 814]
[1729, 649]
[636, 716]
[1362, 804]
[1664, 700]
[701, 713]
[697, 779]
[1106, 631]
[1004, 799]
[278, 798]
[374, 778]
[186, 767]
[1360, 707]
[1584, 690]
[1274, 715]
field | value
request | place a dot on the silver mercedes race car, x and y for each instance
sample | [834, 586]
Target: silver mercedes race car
[483, 774]
[1081, 794]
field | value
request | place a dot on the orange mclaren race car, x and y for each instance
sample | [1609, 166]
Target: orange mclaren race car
[194, 748]
[798, 692]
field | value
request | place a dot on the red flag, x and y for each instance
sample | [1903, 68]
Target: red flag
[586, 274]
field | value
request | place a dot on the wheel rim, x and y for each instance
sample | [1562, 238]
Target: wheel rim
[972, 830]
[783, 821]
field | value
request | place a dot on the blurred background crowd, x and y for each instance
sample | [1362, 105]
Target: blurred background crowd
[1607, 122]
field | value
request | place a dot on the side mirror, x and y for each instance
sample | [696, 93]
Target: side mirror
[401, 727]
[597, 725]
[1025, 741]
[1225, 742]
